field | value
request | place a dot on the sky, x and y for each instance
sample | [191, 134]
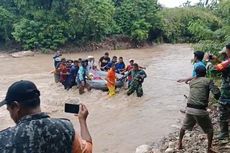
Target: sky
[175, 3]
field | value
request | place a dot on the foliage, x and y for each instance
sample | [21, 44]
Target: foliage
[136, 18]
[188, 24]
[221, 36]
[49, 24]
[92, 19]
[6, 21]
[140, 30]
[36, 34]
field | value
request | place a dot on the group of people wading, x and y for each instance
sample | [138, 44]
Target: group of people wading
[200, 85]
[78, 72]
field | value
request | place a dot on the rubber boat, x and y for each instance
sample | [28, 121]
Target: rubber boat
[98, 80]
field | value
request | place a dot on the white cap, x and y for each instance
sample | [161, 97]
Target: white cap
[131, 60]
[224, 50]
[90, 57]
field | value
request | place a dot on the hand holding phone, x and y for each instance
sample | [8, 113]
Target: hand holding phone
[83, 113]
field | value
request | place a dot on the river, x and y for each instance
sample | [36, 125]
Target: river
[121, 123]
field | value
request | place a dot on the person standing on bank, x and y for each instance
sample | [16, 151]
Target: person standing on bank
[198, 100]
[224, 101]
[198, 61]
[35, 131]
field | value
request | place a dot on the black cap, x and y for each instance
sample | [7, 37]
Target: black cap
[200, 71]
[22, 91]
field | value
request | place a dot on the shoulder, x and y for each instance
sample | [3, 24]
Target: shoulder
[203, 80]
[7, 136]
[63, 123]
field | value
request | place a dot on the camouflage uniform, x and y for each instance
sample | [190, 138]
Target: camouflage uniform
[224, 101]
[136, 84]
[38, 134]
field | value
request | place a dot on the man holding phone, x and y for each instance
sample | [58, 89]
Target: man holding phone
[35, 131]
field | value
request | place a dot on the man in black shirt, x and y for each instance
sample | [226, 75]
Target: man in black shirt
[104, 60]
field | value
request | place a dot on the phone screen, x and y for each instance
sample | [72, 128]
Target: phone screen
[72, 108]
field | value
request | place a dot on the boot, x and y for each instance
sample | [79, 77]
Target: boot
[223, 131]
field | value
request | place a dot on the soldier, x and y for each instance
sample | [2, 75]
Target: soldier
[224, 101]
[138, 77]
[36, 132]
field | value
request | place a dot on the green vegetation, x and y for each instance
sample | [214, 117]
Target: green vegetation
[50, 24]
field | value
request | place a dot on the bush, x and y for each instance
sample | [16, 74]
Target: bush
[137, 18]
[37, 34]
[188, 24]
[6, 22]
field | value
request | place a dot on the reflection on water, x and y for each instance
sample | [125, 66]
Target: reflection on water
[118, 124]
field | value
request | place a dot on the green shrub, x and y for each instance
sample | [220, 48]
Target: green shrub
[188, 24]
[6, 22]
[37, 34]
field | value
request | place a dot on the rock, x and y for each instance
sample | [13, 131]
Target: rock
[172, 144]
[169, 150]
[175, 126]
[201, 136]
[156, 151]
[22, 54]
[144, 149]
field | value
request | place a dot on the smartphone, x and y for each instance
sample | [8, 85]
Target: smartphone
[72, 108]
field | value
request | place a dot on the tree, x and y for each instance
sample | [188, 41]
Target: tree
[133, 14]
[92, 20]
[6, 22]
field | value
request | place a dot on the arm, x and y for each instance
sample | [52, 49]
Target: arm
[143, 75]
[99, 62]
[126, 75]
[108, 80]
[185, 80]
[141, 67]
[82, 144]
[215, 90]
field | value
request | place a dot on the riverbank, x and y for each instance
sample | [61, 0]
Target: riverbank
[110, 43]
[194, 141]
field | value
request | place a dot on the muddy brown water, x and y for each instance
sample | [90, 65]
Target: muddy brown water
[121, 123]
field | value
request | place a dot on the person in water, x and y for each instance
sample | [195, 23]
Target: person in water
[81, 78]
[73, 73]
[90, 63]
[57, 58]
[109, 65]
[111, 80]
[138, 75]
[65, 74]
[198, 100]
[198, 61]
[103, 61]
[128, 69]
[120, 65]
